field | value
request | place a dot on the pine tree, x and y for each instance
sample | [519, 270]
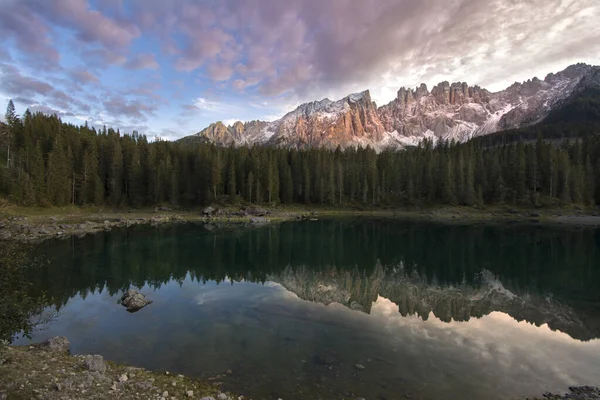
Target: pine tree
[37, 174]
[250, 186]
[57, 185]
[287, 185]
[231, 182]
[306, 190]
[12, 120]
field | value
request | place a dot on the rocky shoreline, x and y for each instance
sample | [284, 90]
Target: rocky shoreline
[575, 393]
[48, 371]
[35, 228]
[31, 228]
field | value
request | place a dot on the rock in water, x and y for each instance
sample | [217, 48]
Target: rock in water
[134, 300]
[58, 343]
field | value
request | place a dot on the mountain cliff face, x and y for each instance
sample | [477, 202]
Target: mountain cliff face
[454, 111]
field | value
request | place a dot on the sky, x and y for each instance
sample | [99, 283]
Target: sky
[170, 68]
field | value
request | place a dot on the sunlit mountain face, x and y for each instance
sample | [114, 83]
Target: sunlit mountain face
[338, 308]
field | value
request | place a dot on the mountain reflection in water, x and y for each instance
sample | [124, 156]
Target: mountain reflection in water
[431, 311]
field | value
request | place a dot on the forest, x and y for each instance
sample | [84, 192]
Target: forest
[46, 162]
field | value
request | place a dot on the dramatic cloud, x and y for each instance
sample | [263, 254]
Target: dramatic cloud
[279, 52]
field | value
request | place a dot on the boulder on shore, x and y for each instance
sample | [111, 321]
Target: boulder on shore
[134, 300]
[257, 211]
[58, 343]
[259, 221]
[209, 211]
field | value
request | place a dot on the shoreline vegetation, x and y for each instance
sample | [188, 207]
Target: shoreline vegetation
[35, 224]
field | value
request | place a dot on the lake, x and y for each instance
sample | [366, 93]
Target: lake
[340, 308]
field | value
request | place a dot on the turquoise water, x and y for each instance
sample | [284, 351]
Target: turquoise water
[329, 309]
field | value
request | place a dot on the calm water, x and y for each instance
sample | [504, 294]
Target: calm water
[297, 310]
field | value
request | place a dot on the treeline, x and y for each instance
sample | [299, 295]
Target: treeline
[51, 163]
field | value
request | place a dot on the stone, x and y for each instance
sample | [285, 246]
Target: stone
[123, 378]
[189, 393]
[134, 301]
[257, 211]
[58, 343]
[173, 383]
[43, 231]
[259, 221]
[360, 366]
[165, 394]
[222, 396]
[94, 362]
[208, 211]
[207, 398]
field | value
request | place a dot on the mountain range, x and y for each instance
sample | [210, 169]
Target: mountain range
[449, 111]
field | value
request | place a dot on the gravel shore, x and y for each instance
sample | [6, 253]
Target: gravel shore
[48, 371]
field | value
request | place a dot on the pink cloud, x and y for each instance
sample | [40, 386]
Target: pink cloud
[142, 61]
[220, 71]
[90, 25]
[84, 76]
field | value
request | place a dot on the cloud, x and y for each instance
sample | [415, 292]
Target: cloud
[15, 84]
[204, 104]
[103, 57]
[135, 109]
[204, 46]
[89, 25]
[49, 110]
[142, 61]
[307, 48]
[19, 22]
[83, 76]
[220, 72]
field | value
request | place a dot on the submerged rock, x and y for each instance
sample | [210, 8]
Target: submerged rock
[134, 300]
[58, 343]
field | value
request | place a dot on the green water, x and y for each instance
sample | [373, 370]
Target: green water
[330, 309]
